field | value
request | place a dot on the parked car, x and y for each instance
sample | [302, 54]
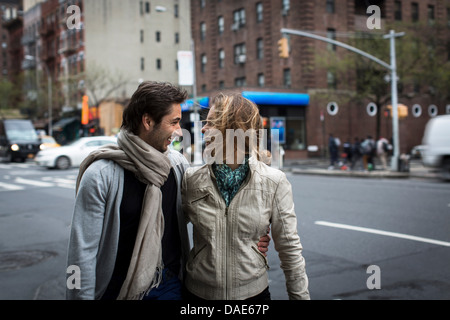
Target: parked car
[48, 142]
[73, 154]
[18, 140]
[436, 153]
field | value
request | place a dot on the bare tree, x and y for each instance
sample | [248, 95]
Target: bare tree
[101, 83]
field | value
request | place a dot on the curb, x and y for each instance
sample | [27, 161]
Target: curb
[353, 174]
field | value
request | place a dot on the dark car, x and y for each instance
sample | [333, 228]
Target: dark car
[18, 140]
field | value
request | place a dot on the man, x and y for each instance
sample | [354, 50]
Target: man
[382, 151]
[129, 238]
[333, 148]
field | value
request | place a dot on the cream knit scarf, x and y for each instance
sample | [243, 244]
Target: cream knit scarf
[151, 167]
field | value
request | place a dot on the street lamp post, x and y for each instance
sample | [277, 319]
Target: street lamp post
[196, 115]
[50, 94]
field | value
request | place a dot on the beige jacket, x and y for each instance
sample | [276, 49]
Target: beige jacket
[225, 263]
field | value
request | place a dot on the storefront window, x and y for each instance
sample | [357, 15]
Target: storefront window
[295, 134]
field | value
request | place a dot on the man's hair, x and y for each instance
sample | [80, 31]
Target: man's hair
[152, 98]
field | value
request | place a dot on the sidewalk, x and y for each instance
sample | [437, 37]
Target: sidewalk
[320, 166]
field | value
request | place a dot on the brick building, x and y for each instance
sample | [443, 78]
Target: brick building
[236, 49]
[10, 34]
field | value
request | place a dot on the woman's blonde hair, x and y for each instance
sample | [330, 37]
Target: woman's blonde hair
[234, 112]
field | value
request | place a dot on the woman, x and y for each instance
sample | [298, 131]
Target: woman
[231, 202]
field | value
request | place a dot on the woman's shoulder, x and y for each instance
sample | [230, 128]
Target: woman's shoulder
[196, 173]
[266, 171]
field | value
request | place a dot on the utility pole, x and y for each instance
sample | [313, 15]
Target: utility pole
[391, 67]
[395, 130]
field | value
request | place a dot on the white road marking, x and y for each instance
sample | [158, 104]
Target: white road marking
[384, 233]
[33, 182]
[11, 187]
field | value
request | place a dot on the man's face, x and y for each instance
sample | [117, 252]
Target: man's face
[161, 135]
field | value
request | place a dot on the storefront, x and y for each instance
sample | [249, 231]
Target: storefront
[285, 112]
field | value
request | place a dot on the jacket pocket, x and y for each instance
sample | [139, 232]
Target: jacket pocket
[203, 213]
[261, 257]
[193, 202]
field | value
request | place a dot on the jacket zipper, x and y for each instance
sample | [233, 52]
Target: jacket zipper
[227, 237]
[226, 253]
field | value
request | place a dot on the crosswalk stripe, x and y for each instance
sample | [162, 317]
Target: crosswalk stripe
[33, 182]
[64, 181]
[11, 187]
[44, 182]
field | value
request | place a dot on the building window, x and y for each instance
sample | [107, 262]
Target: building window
[240, 82]
[398, 10]
[221, 84]
[296, 138]
[259, 12]
[202, 3]
[177, 37]
[176, 10]
[430, 15]
[287, 78]
[261, 80]
[330, 6]
[286, 7]
[239, 53]
[448, 17]
[158, 36]
[158, 64]
[331, 80]
[221, 58]
[220, 24]
[202, 31]
[260, 48]
[331, 34]
[203, 87]
[204, 61]
[147, 7]
[142, 36]
[142, 64]
[238, 19]
[414, 12]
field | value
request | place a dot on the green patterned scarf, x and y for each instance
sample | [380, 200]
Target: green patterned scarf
[230, 181]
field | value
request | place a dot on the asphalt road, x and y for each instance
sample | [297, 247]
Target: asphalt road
[346, 225]
[349, 224]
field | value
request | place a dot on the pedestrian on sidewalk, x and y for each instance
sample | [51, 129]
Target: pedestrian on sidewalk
[368, 148]
[357, 155]
[382, 151]
[333, 148]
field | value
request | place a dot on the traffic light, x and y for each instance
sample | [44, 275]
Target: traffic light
[283, 48]
[402, 111]
[85, 110]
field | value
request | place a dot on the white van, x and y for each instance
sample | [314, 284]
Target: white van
[436, 140]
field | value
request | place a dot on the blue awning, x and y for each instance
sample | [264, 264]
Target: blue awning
[260, 98]
[277, 98]
[203, 102]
